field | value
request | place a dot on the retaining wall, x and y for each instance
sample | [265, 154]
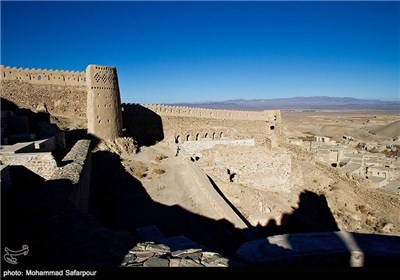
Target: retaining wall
[77, 170]
[43, 164]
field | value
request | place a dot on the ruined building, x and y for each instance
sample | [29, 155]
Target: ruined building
[38, 157]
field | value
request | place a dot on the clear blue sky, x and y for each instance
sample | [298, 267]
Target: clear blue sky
[169, 52]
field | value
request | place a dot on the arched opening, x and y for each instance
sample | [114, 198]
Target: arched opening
[272, 127]
[39, 78]
[206, 135]
[177, 139]
[188, 137]
[274, 118]
[213, 135]
[197, 137]
[221, 135]
[334, 165]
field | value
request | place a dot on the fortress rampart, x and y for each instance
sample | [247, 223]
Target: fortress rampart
[54, 91]
[81, 94]
[42, 77]
[180, 124]
[180, 111]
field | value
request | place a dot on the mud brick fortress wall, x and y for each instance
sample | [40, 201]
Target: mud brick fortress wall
[95, 96]
[60, 92]
[182, 124]
[103, 102]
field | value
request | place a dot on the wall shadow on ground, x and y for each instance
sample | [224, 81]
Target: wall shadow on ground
[310, 237]
[312, 215]
[39, 214]
[121, 202]
[142, 124]
[59, 236]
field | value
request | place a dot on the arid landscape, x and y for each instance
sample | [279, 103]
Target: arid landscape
[356, 204]
[162, 185]
[234, 134]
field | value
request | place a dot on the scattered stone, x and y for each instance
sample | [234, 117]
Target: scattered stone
[158, 249]
[195, 256]
[134, 265]
[143, 256]
[174, 262]
[129, 258]
[160, 255]
[138, 247]
[189, 263]
[184, 253]
[180, 243]
[210, 259]
[156, 262]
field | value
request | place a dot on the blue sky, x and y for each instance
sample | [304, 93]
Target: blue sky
[169, 52]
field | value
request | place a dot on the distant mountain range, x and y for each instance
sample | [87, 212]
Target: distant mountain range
[298, 103]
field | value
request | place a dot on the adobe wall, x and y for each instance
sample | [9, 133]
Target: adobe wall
[184, 123]
[43, 164]
[181, 111]
[95, 95]
[267, 171]
[78, 171]
[193, 147]
[60, 92]
[104, 116]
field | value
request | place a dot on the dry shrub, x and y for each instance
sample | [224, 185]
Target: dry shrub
[160, 157]
[362, 209]
[140, 170]
[159, 171]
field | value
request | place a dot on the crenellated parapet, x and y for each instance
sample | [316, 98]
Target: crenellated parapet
[94, 94]
[43, 76]
[182, 111]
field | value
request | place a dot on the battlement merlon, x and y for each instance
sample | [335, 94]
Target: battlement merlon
[43, 76]
[73, 78]
[182, 111]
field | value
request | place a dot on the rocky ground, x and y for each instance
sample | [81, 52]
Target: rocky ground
[354, 204]
[149, 254]
[154, 186]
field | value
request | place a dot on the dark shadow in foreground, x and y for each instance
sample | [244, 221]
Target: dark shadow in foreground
[312, 215]
[39, 214]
